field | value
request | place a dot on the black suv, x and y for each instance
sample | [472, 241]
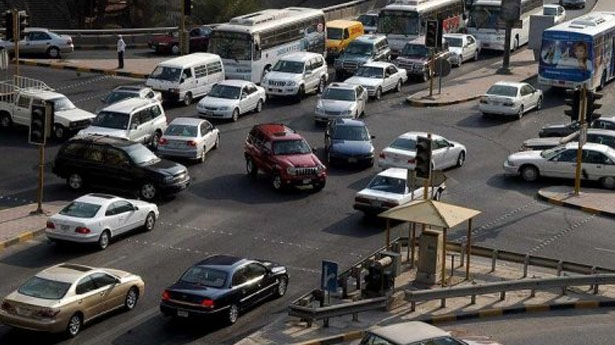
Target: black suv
[118, 164]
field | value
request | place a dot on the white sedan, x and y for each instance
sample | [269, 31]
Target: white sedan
[187, 137]
[401, 152]
[557, 11]
[511, 99]
[598, 163]
[96, 218]
[463, 47]
[388, 189]
[379, 77]
[231, 98]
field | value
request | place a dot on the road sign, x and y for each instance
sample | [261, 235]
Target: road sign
[443, 66]
[583, 134]
[328, 278]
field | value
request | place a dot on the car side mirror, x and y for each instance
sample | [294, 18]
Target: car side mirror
[307, 73]
[135, 207]
[182, 80]
[313, 150]
[117, 281]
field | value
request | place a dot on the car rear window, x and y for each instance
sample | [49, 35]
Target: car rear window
[503, 90]
[204, 276]
[181, 131]
[44, 288]
[404, 144]
[388, 184]
[80, 210]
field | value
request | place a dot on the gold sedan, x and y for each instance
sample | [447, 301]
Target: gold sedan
[64, 297]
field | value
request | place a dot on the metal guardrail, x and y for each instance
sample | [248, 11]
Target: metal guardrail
[324, 313]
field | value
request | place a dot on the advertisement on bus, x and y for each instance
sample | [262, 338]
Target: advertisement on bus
[567, 56]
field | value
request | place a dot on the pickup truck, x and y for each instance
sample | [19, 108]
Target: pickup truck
[18, 95]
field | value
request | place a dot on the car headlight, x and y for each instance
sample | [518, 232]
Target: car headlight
[292, 83]
[370, 87]
[168, 179]
[320, 168]
[291, 171]
[319, 108]
[347, 112]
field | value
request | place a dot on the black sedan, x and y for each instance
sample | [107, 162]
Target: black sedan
[223, 286]
[348, 142]
[559, 130]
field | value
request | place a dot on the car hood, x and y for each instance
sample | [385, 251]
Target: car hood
[335, 105]
[525, 156]
[455, 50]
[167, 167]
[74, 114]
[273, 75]
[351, 147]
[217, 102]
[354, 58]
[551, 141]
[300, 161]
[412, 59]
[379, 195]
[111, 132]
[364, 81]
[184, 291]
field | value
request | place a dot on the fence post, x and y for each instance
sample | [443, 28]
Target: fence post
[593, 286]
[325, 322]
[502, 295]
[526, 262]
[473, 299]
[595, 292]
[443, 303]
[560, 267]
[462, 260]
[532, 293]
[452, 265]
[355, 317]
[413, 306]
[494, 257]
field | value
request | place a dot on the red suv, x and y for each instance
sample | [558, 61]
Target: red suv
[282, 153]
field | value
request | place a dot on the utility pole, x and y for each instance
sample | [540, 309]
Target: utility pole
[582, 139]
[182, 28]
[432, 67]
[16, 37]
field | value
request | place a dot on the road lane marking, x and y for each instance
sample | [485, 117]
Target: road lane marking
[561, 234]
[111, 262]
[605, 250]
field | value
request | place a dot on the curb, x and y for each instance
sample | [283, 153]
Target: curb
[26, 236]
[574, 206]
[110, 46]
[84, 69]
[481, 314]
[421, 104]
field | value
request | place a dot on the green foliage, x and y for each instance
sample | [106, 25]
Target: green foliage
[219, 11]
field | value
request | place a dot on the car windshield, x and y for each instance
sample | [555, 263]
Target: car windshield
[117, 96]
[339, 94]
[288, 66]
[454, 41]
[80, 210]
[552, 152]
[225, 91]
[368, 20]
[370, 72]
[404, 144]
[388, 184]
[353, 133]
[335, 33]
[113, 120]
[166, 73]
[181, 131]
[62, 103]
[291, 147]
[415, 50]
[359, 49]
[141, 155]
[44, 288]
[204, 276]
[503, 90]
[549, 11]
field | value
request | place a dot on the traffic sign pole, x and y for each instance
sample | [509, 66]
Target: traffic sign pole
[582, 111]
[16, 36]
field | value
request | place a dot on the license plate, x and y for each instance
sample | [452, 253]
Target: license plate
[64, 227]
[23, 311]
[307, 181]
[182, 313]
[352, 160]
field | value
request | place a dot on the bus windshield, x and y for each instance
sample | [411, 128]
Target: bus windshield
[231, 45]
[484, 17]
[399, 22]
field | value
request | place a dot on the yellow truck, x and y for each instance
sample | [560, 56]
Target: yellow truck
[340, 33]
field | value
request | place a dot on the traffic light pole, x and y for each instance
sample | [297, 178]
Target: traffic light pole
[432, 66]
[41, 177]
[16, 37]
[582, 112]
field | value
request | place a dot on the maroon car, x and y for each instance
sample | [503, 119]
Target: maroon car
[165, 44]
[282, 153]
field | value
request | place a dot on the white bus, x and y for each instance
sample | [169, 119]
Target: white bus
[404, 20]
[579, 51]
[251, 44]
[484, 23]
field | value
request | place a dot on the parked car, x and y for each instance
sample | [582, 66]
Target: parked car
[369, 21]
[123, 92]
[41, 41]
[296, 74]
[598, 163]
[188, 137]
[604, 123]
[349, 142]
[231, 98]
[573, 3]
[119, 164]
[222, 286]
[363, 50]
[97, 218]
[283, 154]
[415, 58]
[594, 135]
[415, 333]
[197, 36]
[341, 100]
[510, 99]
[64, 297]
[557, 11]
[566, 129]
[462, 47]
[389, 189]
[339, 35]
[401, 152]
[379, 77]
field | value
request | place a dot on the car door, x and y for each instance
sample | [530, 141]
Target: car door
[207, 135]
[533, 95]
[139, 124]
[128, 217]
[112, 293]
[116, 168]
[253, 96]
[112, 219]
[470, 47]
[310, 74]
[561, 165]
[94, 170]
[265, 283]
[244, 101]
[21, 111]
[596, 165]
[440, 154]
[243, 289]
[90, 301]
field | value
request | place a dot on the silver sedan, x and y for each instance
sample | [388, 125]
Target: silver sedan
[189, 138]
[42, 41]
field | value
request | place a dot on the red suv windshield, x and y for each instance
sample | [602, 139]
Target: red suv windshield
[291, 147]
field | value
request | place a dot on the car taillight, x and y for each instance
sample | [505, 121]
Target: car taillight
[163, 141]
[166, 296]
[361, 200]
[47, 313]
[82, 230]
[50, 225]
[207, 303]
[411, 161]
[382, 155]
[7, 306]
[191, 143]
[390, 204]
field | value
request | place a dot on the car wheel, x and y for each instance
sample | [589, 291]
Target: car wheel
[398, 87]
[520, 114]
[319, 186]
[529, 173]
[378, 94]
[131, 298]
[608, 182]
[276, 182]
[476, 55]
[175, 49]
[217, 144]
[259, 106]
[539, 103]
[187, 99]
[5, 121]
[251, 169]
[235, 115]
[103, 240]
[59, 132]
[233, 314]
[460, 61]
[75, 182]
[300, 94]
[147, 191]
[203, 155]
[282, 287]
[150, 222]
[53, 52]
[461, 159]
[155, 139]
[321, 85]
[74, 325]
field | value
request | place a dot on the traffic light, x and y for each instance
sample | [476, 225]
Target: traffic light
[38, 125]
[23, 22]
[187, 7]
[592, 106]
[8, 25]
[423, 157]
[574, 101]
[431, 34]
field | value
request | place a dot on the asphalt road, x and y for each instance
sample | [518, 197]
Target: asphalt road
[225, 212]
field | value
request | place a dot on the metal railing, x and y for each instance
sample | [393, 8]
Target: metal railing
[10, 88]
[324, 313]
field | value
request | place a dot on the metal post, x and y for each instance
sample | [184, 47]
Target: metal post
[431, 69]
[506, 58]
[16, 37]
[452, 265]
[462, 257]
[468, 249]
[388, 235]
[443, 277]
[41, 176]
[526, 263]
[577, 175]
[494, 257]
[560, 267]
[413, 249]
[440, 78]
[182, 28]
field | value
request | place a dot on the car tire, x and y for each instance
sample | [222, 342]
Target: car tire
[103, 240]
[53, 52]
[461, 159]
[59, 132]
[150, 222]
[282, 287]
[251, 168]
[235, 115]
[203, 155]
[276, 181]
[476, 55]
[259, 106]
[539, 103]
[132, 297]
[5, 121]
[378, 94]
[175, 49]
[74, 325]
[300, 94]
[521, 110]
[529, 173]
[155, 139]
[232, 314]
[187, 99]
[321, 85]
[608, 182]
[148, 191]
[217, 144]
[319, 186]
[75, 182]
[398, 86]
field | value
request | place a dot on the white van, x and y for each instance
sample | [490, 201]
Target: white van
[186, 77]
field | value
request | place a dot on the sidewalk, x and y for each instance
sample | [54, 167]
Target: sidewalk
[595, 201]
[18, 225]
[290, 330]
[133, 68]
[472, 85]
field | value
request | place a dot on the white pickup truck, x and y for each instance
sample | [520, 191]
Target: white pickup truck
[18, 95]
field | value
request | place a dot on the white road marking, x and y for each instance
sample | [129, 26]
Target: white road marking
[606, 250]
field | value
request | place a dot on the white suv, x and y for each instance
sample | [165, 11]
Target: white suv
[296, 74]
[136, 119]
